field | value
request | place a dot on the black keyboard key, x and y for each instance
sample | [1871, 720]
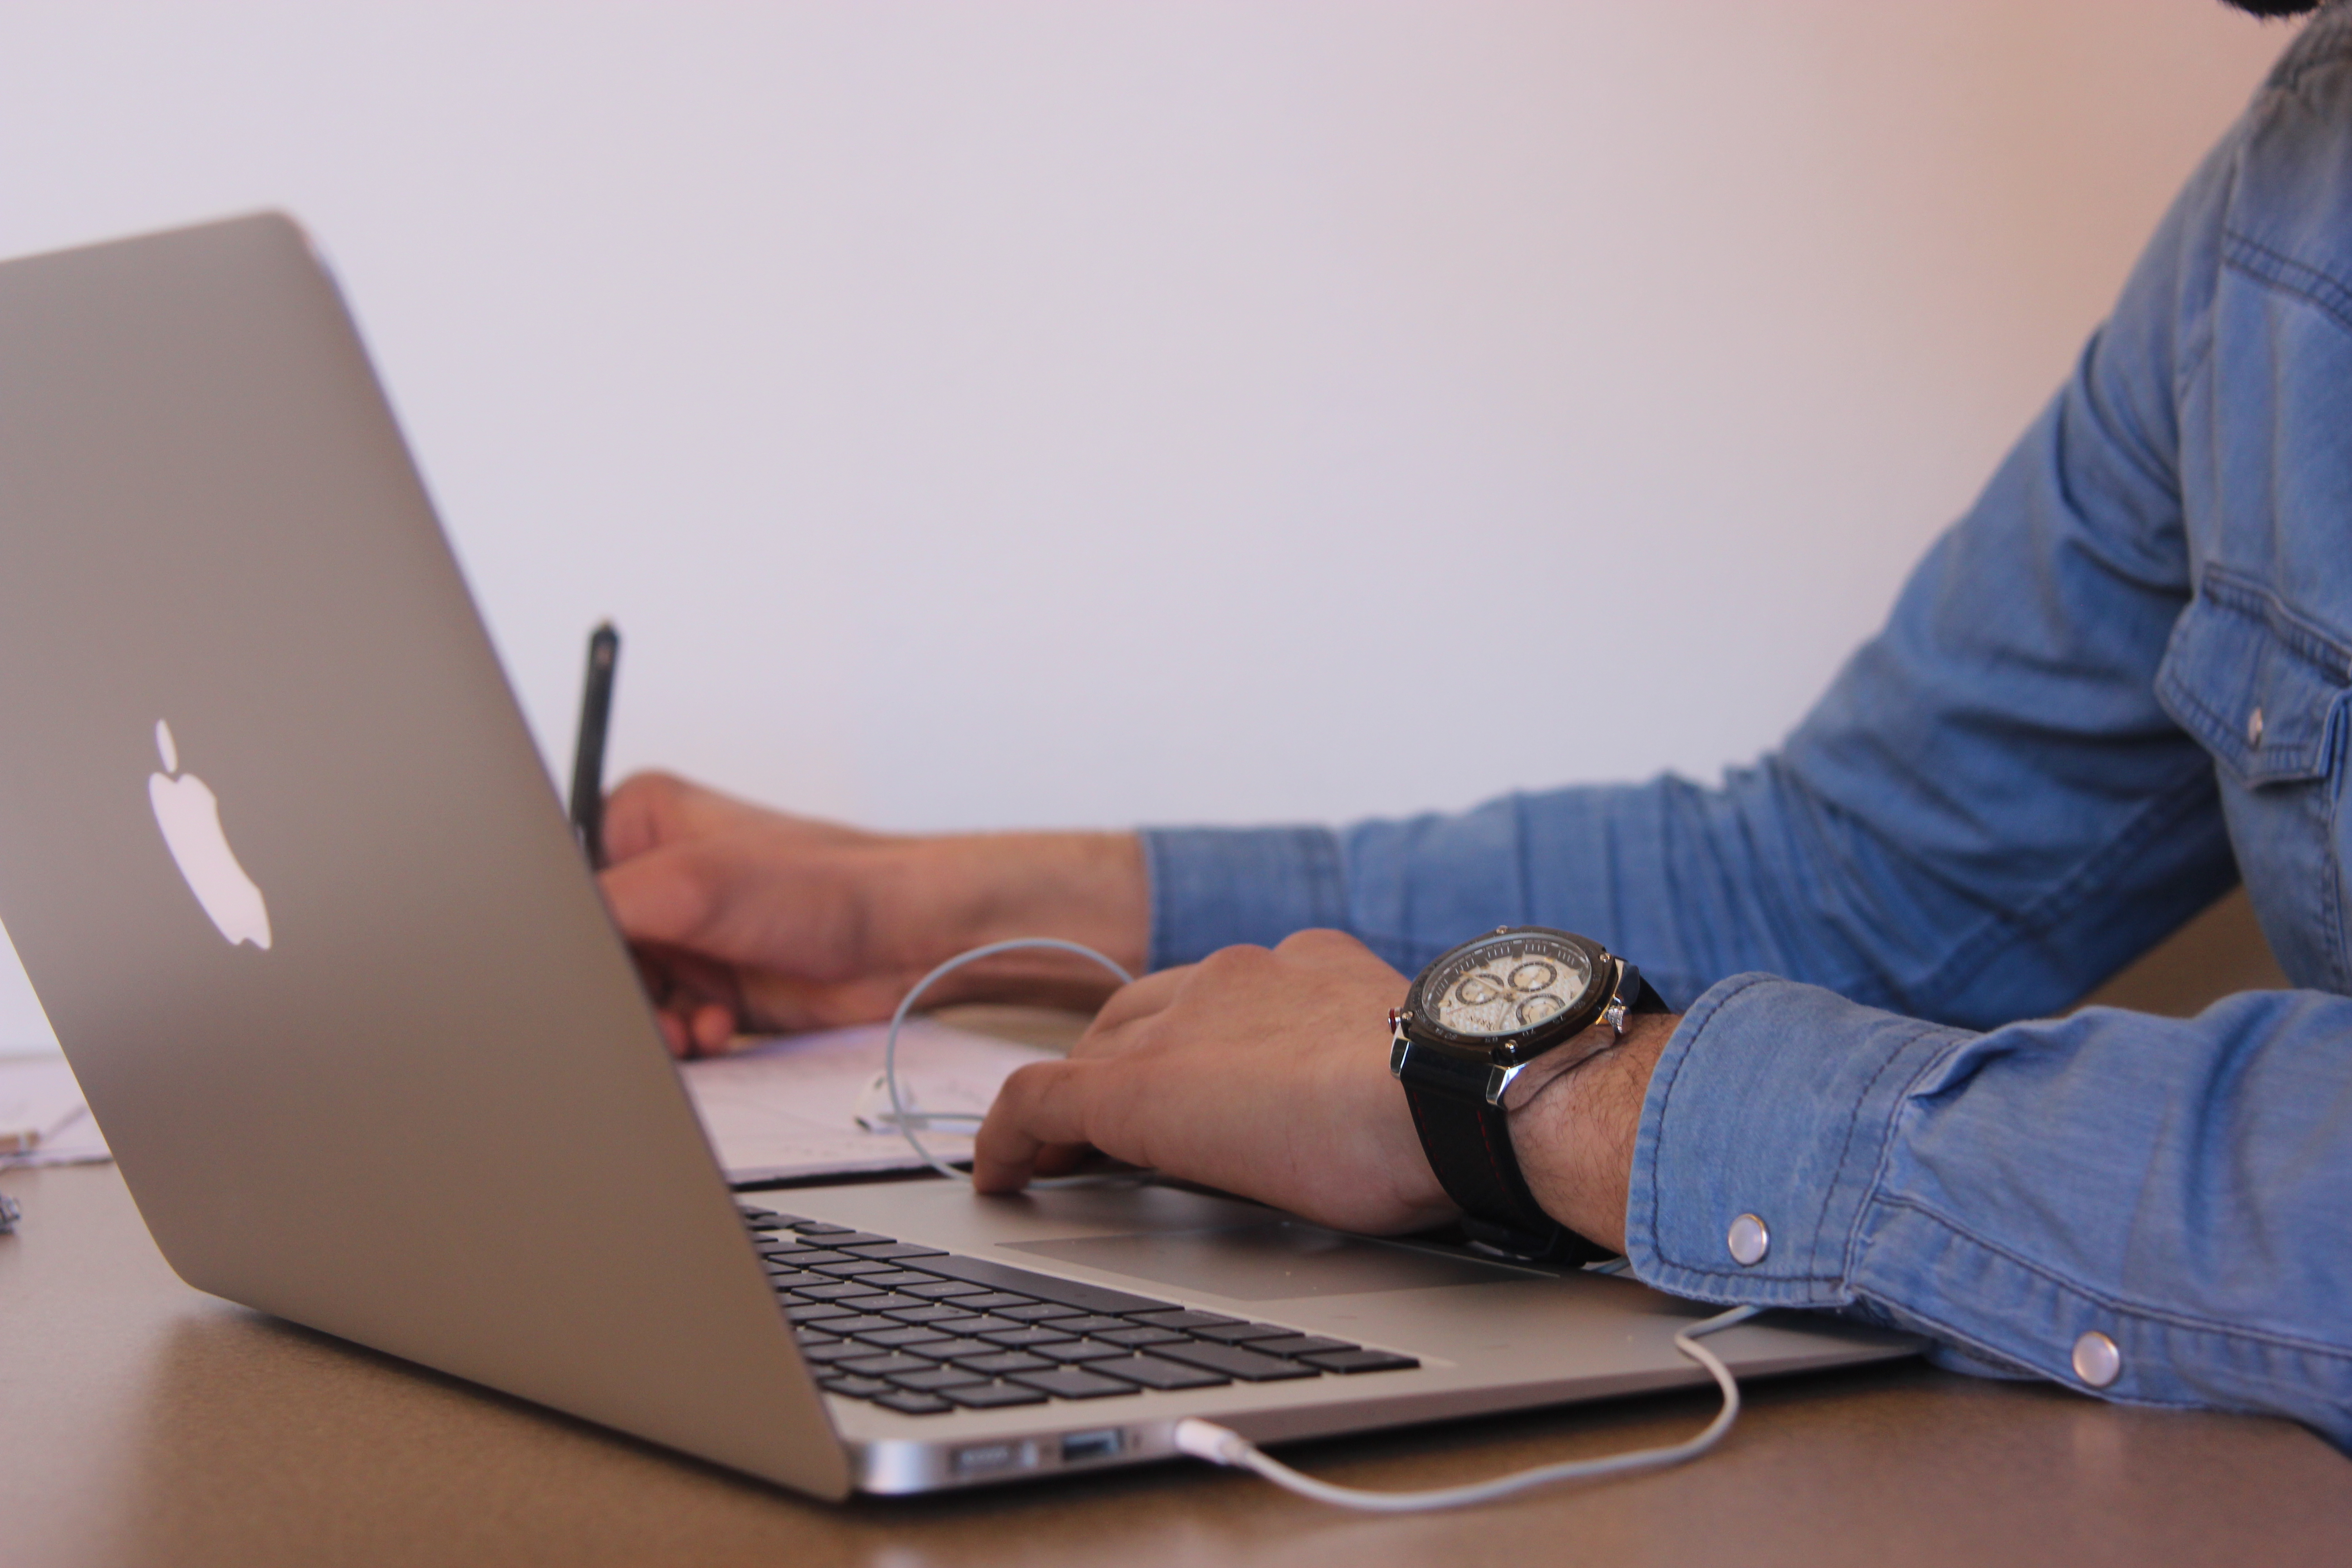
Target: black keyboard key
[950, 1349]
[887, 1251]
[1235, 1361]
[974, 1322]
[1139, 1336]
[1043, 1287]
[787, 1279]
[1080, 1350]
[913, 1404]
[932, 1379]
[882, 1365]
[992, 1396]
[989, 1301]
[1072, 1382]
[1004, 1363]
[1236, 1334]
[856, 1325]
[891, 1339]
[830, 1291]
[815, 1312]
[1092, 1322]
[879, 1301]
[854, 1387]
[1359, 1361]
[896, 1278]
[808, 1257]
[943, 1290]
[1178, 1318]
[833, 1351]
[1028, 1335]
[1037, 1310]
[1151, 1372]
[851, 1267]
[839, 1235]
[924, 1314]
[1299, 1345]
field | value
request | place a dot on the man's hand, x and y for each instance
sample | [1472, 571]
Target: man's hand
[1262, 1073]
[745, 919]
[1265, 1074]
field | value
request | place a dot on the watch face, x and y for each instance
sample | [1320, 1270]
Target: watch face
[1506, 985]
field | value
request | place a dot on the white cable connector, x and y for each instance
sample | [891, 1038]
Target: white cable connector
[1220, 1446]
[904, 1120]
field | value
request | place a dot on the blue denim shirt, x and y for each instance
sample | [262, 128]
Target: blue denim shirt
[2114, 688]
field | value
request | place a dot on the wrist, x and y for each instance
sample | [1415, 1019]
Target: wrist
[969, 890]
[1575, 1137]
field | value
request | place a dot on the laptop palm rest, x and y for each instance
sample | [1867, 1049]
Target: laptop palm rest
[1274, 1262]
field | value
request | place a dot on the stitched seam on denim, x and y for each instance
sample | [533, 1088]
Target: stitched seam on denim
[2268, 269]
[2307, 637]
[1935, 1062]
[1845, 1148]
[2119, 1305]
[2332, 882]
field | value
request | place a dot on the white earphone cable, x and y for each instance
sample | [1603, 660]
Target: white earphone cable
[904, 1121]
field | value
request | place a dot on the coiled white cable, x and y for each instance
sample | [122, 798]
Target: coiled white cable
[904, 1120]
[1222, 1446]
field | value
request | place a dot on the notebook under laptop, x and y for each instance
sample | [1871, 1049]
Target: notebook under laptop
[383, 1068]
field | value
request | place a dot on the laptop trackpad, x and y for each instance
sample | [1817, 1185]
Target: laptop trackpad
[1272, 1262]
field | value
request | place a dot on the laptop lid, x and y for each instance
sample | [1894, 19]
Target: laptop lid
[294, 886]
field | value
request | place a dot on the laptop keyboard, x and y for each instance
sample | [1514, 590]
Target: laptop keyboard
[921, 1332]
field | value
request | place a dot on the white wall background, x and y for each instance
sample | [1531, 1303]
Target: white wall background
[996, 413]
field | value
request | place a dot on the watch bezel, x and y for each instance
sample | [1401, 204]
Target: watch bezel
[1536, 1038]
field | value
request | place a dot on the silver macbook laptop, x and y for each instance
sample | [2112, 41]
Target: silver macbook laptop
[292, 883]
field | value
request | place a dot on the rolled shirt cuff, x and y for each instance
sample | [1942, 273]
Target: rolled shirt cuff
[1763, 1138]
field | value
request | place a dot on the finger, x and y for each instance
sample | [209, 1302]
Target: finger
[1040, 1104]
[1061, 1159]
[1140, 1000]
[712, 1026]
[647, 809]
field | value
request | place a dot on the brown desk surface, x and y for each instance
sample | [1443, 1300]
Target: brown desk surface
[142, 1422]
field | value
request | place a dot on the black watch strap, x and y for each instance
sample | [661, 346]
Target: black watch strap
[1468, 1144]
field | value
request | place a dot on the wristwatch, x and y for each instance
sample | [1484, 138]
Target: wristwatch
[1482, 1029]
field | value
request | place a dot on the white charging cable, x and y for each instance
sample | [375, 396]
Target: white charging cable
[906, 1119]
[1222, 1446]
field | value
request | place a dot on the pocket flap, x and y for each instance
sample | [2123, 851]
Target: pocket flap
[2256, 683]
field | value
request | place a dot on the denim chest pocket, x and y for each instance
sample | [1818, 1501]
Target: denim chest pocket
[2264, 691]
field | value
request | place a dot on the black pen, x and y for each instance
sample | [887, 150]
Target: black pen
[588, 753]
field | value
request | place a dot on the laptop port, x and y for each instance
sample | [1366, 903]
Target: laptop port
[1080, 1447]
[982, 1458]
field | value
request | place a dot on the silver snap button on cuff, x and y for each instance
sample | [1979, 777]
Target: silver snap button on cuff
[1749, 1241]
[2097, 1361]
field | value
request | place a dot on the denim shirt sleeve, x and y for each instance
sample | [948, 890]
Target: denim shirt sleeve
[1989, 811]
[2175, 1184]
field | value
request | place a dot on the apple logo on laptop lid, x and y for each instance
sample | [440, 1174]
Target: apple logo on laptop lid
[189, 814]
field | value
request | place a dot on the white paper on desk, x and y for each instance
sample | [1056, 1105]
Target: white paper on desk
[787, 1107]
[38, 1096]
